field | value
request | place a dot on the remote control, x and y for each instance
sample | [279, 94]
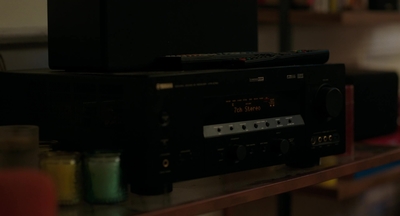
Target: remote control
[295, 57]
[242, 59]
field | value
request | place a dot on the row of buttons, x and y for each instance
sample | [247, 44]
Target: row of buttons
[253, 125]
[238, 152]
[164, 157]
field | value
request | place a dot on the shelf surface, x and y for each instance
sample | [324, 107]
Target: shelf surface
[214, 193]
[348, 187]
[23, 35]
[267, 15]
[305, 17]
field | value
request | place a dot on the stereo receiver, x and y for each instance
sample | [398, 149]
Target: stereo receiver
[174, 126]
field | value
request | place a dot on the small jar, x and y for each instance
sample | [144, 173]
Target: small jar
[65, 169]
[19, 146]
[104, 181]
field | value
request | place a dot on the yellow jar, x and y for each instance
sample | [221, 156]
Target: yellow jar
[65, 169]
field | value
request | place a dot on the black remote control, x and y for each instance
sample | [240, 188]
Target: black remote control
[295, 57]
[242, 59]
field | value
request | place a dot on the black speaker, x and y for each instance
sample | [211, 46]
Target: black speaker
[375, 102]
[130, 34]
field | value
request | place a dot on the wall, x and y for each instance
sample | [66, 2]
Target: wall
[23, 13]
[23, 33]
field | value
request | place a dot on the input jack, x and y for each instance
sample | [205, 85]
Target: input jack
[313, 140]
[165, 163]
[319, 139]
[325, 138]
[330, 137]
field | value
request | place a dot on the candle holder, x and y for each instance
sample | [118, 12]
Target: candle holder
[65, 169]
[103, 178]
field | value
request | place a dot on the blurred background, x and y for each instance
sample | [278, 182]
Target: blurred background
[362, 34]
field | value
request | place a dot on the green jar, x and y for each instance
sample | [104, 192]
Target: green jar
[103, 177]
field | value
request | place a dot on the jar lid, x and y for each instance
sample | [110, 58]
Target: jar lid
[19, 137]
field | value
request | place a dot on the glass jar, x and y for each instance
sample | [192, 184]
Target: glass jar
[65, 169]
[104, 179]
[19, 146]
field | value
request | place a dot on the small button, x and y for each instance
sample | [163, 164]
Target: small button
[290, 121]
[267, 124]
[185, 156]
[219, 130]
[164, 142]
[278, 122]
[255, 125]
[231, 128]
[244, 127]
[164, 119]
[336, 137]
[264, 148]
[251, 150]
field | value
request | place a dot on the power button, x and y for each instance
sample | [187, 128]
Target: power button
[164, 119]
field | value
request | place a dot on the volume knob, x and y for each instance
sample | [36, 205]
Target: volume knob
[238, 152]
[280, 146]
[329, 101]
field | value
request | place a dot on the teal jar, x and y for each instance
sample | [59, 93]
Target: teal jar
[104, 179]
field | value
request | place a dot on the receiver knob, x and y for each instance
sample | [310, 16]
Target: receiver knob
[329, 101]
[280, 146]
[238, 152]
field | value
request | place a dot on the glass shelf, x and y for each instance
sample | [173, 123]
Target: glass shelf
[219, 192]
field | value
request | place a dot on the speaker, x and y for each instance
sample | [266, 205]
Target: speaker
[375, 102]
[131, 34]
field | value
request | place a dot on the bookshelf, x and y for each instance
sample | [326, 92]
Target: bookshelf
[305, 17]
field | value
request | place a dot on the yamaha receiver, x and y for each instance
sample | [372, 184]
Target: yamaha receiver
[174, 126]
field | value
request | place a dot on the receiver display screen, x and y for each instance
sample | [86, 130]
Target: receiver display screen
[245, 107]
[248, 105]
